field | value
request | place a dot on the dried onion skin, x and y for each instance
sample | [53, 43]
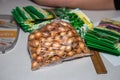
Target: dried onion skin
[55, 42]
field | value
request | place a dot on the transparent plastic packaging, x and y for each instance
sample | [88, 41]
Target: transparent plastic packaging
[54, 43]
[8, 33]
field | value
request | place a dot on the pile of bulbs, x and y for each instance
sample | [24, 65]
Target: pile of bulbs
[55, 42]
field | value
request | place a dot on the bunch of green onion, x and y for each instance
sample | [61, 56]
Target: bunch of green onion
[30, 17]
[103, 40]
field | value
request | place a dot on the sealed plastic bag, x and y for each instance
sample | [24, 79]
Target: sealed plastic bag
[105, 37]
[55, 43]
[9, 33]
[31, 17]
[78, 19]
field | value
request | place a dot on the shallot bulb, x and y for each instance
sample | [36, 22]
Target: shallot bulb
[55, 42]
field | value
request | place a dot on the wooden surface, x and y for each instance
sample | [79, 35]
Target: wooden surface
[98, 63]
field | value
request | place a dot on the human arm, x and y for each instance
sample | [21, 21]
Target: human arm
[82, 4]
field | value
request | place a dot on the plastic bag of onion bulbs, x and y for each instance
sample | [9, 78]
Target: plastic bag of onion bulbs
[54, 43]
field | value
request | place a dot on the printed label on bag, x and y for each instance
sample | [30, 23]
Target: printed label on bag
[7, 34]
[7, 37]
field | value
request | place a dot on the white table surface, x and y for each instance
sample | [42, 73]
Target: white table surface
[16, 64]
